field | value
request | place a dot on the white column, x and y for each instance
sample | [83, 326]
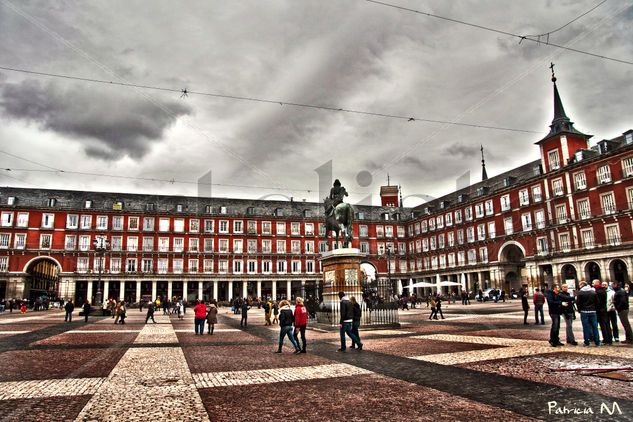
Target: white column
[89, 292]
[288, 289]
[274, 292]
[215, 290]
[138, 291]
[230, 292]
[154, 285]
[122, 290]
[200, 290]
[244, 289]
[400, 287]
[106, 290]
[184, 290]
[410, 286]
[259, 289]
[303, 289]
[170, 290]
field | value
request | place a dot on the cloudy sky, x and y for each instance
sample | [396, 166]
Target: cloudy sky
[347, 54]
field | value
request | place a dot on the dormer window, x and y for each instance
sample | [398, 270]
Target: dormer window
[628, 138]
[179, 208]
[223, 210]
[279, 212]
[208, 209]
[52, 202]
[88, 204]
[150, 207]
[11, 200]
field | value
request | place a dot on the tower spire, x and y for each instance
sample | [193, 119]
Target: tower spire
[388, 184]
[484, 175]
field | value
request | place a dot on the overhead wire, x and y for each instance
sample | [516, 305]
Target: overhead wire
[568, 23]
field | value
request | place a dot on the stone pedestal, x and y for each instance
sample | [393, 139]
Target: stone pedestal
[341, 273]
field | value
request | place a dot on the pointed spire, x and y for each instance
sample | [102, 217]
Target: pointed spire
[400, 192]
[484, 175]
[388, 180]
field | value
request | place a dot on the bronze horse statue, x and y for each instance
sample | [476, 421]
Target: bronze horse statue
[337, 220]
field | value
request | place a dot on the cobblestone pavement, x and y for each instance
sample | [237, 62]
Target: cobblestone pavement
[480, 363]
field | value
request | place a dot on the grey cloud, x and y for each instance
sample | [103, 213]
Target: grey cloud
[109, 123]
[464, 151]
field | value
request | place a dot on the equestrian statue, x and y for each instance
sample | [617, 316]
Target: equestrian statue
[339, 215]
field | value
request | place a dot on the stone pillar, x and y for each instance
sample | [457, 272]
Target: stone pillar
[288, 289]
[274, 292]
[215, 290]
[259, 289]
[138, 290]
[154, 285]
[200, 295]
[185, 295]
[303, 289]
[170, 290]
[230, 291]
[89, 292]
[244, 289]
[122, 290]
[106, 290]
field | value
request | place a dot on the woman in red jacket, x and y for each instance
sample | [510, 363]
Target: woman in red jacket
[200, 311]
[301, 322]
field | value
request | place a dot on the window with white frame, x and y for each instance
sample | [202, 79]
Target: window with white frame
[607, 201]
[458, 217]
[117, 222]
[281, 266]
[266, 227]
[468, 213]
[580, 180]
[238, 226]
[508, 225]
[490, 207]
[557, 187]
[251, 266]
[70, 243]
[194, 225]
[281, 246]
[148, 224]
[388, 231]
[472, 256]
[131, 265]
[178, 266]
[380, 231]
[440, 241]
[267, 266]
[612, 232]
[561, 214]
[132, 223]
[504, 201]
[208, 244]
[541, 245]
[267, 246]
[536, 193]
[208, 265]
[116, 243]
[492, 230]
[461, 258]
[86, 222]
[481, 232]
[539, 219]
[238, 246]
[627, 167]
[451, 259]
[629, 197]
[295, 267]
[194, 244]
[483, 254]
[148, 243]
[163, 265]
[310, 267]
[179, 244]
[223, 226]
[102, 222]
[83, 264]
[251, 245]
[524, 197]
[587, 238]
[584, 210]
[72, 221]
[251, 227]
[147, 265]
[237, 266]
[163, 224]
[132, 243]
[439, 221]
[223, 245]
[281, 228]
[424, 227]
[448, 218]
[442, 262]
[309, 229]
[460, 237]
[321, 229]
[479, 210]
[309, 246]
[208, 226]
[434, 262]
[433, 243]
[563, 242]
[179, 225]
[526, 221]
[295, 246]
[553, 159]
[84, 243]
[431, 223]
[425, 244]
[363, 230]
[470, 234]
[295, 229]
[48, 221]
[163, 244]
[450, 239]
[364, 247]
[115, 265]
[19, 241]
[223, 266]
[604, 174]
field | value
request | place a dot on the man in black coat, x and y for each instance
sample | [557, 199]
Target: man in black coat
[523, 293]
[554, 303]
[568, 314]
[69, 307]
[621, 303]
[86, 309]
[346, 322]
[601, 313]
[586, 302]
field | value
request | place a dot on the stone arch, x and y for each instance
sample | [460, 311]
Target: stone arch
[42, 278]
[508, 252]
[39, 258]
[619, 271]
[568, 272]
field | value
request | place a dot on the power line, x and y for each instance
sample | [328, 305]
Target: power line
[264, 100]
[498, 31]
[568, 23]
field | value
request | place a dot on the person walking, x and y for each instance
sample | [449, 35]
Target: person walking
[86, 309]
[122, 312]
[151, 307]
[285, 326]
[212, 316]
[621, 304]
[346, 322]
[245, 308]
[301, 323]
[433, 309]
[586, 302]
[69, 307]
[275, 313]
[569, 314]
[539, 301]
[438, 306]
[601, 312]
[524, 304]
[117, 312]
[200, 316]
[268, 311]
[356, 320]
[612, 315]
[554, 304]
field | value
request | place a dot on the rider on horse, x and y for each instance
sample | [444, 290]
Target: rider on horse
[336, 195]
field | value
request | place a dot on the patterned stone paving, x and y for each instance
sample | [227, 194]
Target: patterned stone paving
[480, 363]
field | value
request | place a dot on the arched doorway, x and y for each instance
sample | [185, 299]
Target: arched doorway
[568, 275]
[512, 259]
[592, 272]
[42, 279]
[619, 271]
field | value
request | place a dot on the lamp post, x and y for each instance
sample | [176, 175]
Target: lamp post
[101, 246]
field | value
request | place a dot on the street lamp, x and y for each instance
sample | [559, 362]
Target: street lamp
[101, 246]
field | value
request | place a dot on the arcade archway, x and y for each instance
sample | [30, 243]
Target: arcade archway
[42, 279]
[592, 272]
[619, 271]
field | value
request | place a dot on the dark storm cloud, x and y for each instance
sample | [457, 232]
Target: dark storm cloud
[463, 151]
[109, 123]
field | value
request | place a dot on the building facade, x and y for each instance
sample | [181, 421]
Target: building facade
[567, 216]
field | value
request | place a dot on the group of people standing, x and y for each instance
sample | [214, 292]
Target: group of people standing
[203, 314]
